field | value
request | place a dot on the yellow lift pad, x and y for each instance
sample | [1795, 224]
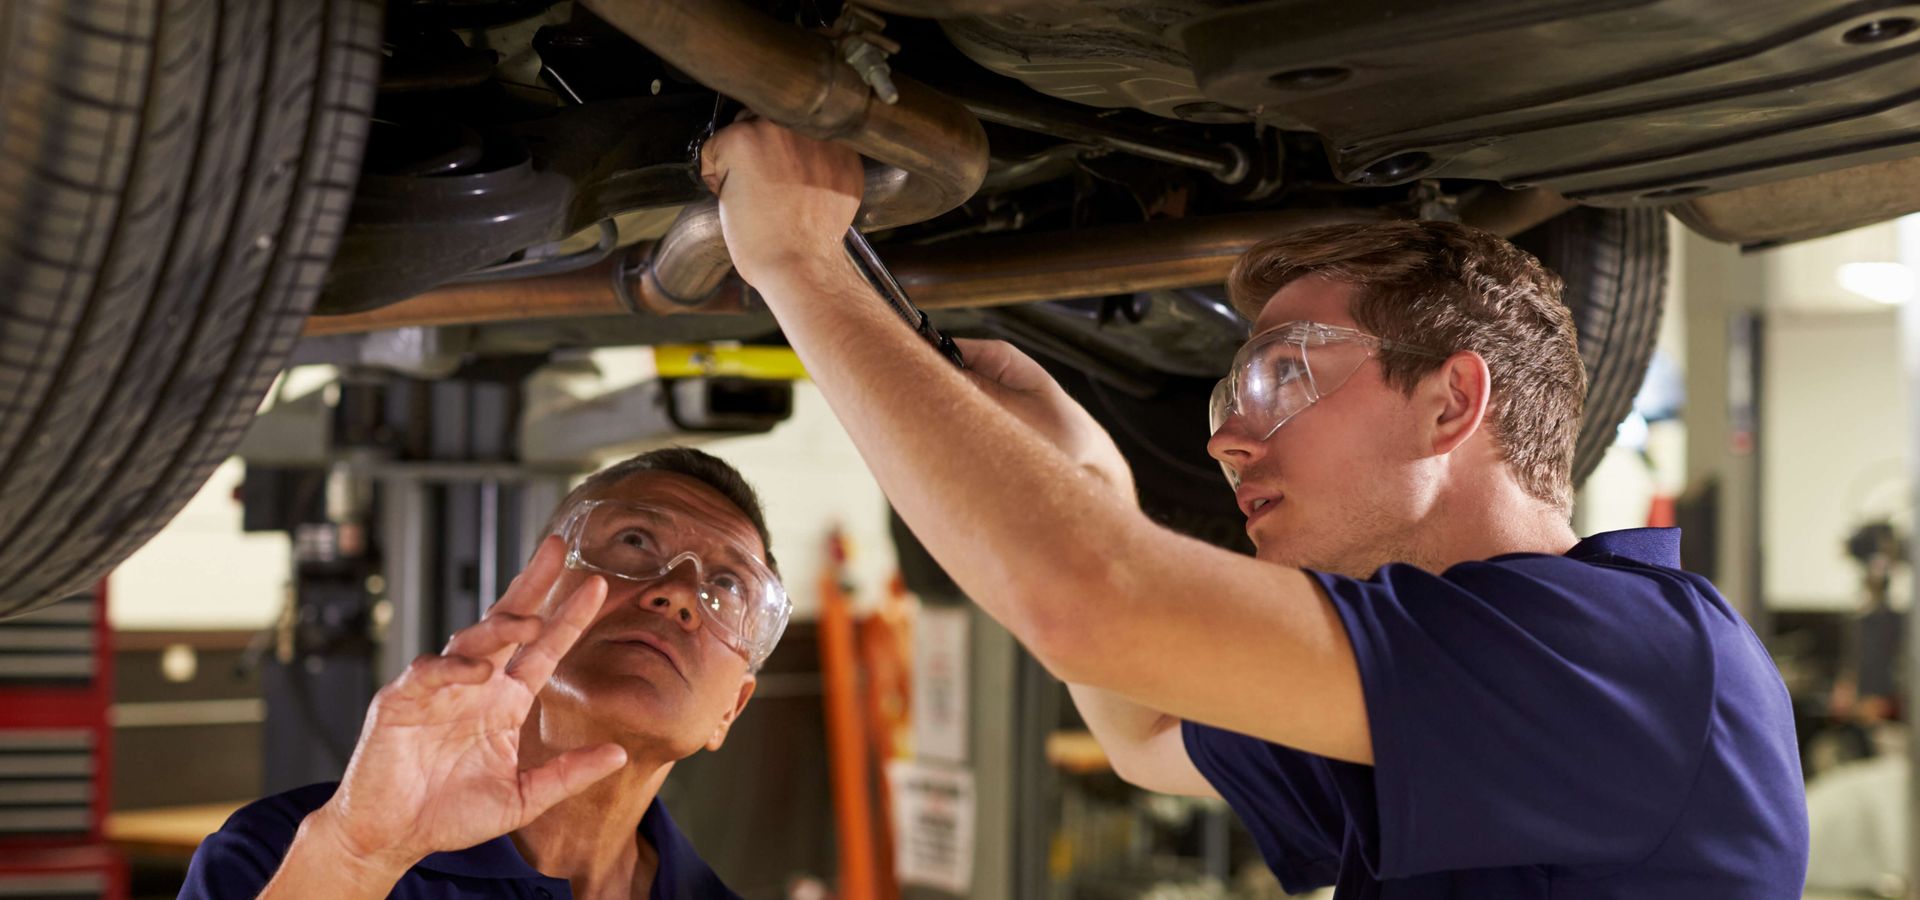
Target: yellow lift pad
[729, 361]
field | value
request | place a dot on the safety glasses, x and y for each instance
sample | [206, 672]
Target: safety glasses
[1287, 369]
[739, 597]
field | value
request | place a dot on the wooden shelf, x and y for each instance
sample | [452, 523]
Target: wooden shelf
[1076, 753]
[167, 830]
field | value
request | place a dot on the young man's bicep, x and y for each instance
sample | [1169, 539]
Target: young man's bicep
[1213, 637]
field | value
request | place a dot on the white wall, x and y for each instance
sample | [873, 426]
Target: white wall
[201, 571]
[1835, 449]
[1836, 430]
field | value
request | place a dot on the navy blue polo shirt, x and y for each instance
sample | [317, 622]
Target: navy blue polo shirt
[1594, 725]
[238, 860]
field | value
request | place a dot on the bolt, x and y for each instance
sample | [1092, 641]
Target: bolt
[871, 62]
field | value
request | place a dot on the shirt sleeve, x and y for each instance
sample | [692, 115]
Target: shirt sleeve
[1533, 711]
[236, 862]
[231, 866]
[1286, 801]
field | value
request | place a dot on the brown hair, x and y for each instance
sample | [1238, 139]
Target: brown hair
[704, 467]
[1450, 288]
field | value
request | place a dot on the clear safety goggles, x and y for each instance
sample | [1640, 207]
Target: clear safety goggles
[740, 598]
[1289, 368]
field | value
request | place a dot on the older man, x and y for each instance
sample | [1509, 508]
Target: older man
[525, 760]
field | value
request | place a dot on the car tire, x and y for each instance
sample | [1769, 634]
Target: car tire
[1614, 262]
[174, 175]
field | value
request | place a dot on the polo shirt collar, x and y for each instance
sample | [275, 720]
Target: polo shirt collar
[682, 872]
[680, 867]
[1647, 546]
[497, 858]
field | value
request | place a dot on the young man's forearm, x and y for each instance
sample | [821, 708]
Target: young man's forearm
[1009, 514]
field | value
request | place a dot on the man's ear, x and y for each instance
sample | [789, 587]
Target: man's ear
[747, 683]
[1460, 391]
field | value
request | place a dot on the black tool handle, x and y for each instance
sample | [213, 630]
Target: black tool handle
[877, 274]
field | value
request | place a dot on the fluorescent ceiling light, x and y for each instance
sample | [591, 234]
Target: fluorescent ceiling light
[1891, 283]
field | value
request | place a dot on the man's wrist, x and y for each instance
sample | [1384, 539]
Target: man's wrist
[376, 869]
[805, 273]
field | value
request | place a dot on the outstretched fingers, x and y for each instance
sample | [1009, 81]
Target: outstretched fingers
[433, 671]
[527, 590]
[515, 619]
[495, 636]
[536, 661]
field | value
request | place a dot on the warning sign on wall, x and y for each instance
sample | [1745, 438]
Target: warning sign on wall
[933, 822]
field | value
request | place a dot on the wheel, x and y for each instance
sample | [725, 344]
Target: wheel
[174, 175]
[1614, 262]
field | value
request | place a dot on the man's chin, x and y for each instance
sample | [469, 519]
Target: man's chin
[1294, 555]
[627, 695]
[640, 712]
[1272, 552]
[1277, 545]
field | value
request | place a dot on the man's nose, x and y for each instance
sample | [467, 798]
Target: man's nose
[676, 595]
[1235, 446]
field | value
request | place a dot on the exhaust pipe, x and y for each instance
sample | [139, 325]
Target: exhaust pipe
[932, 151]
[974, 272]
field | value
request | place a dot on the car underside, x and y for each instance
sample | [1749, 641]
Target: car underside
[1077, 177]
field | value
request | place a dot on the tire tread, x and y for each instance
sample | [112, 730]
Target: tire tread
[132, 358]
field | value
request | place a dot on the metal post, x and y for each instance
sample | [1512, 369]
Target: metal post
[403, 549]
[993, 676]
[488, 580]
[536, 500]
[1216, 840]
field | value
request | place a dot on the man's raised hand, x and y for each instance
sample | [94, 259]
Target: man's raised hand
[438, 763]
[785, 199]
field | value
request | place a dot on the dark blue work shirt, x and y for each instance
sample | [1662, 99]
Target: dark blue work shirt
[239, 859]
[1594, 725]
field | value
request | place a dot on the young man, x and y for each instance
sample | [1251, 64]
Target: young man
[525, 759]
[1424, 685]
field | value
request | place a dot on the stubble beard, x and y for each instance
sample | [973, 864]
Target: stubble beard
[1370, 541]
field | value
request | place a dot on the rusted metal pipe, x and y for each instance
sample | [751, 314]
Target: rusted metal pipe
[933, 151]
[586, 292]
[1088, 262]
[985, 271]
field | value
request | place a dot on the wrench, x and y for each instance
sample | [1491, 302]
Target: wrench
[876, 273]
